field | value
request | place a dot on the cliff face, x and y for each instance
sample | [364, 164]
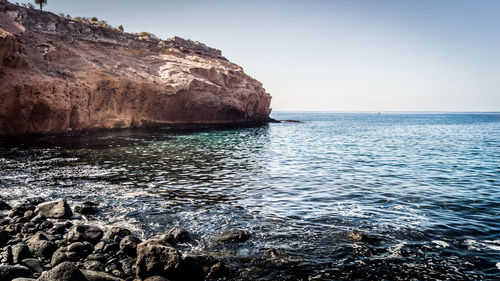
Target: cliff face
[59, 75]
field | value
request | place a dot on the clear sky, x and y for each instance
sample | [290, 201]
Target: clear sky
[350, 55]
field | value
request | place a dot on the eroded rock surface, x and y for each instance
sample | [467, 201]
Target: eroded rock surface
[61, 75]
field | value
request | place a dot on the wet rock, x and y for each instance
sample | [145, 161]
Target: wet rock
[4, 237]
[58, 209]
[46, 225]
[357, 236]
[9, 272]
[66, 271]
[41, 246]
[20, 209]
[213, 268]
[176, 235]
[86, 208]
[128, 245]
[23, 279]
[20, 252]
[4, 206]
[154, 259]
[38, 218]
[80, 233]
[60, 228]
[156, 278]
[99, 276]
[58, 257]
[82, 249]
[234, 236]
[94, 265]
[35, 200]
[34, 264]
[111, 248]
[116, 234]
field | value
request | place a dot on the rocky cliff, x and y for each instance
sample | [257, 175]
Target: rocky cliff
[59, 75]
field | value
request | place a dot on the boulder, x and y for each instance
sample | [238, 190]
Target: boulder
[58, 209]
[65, 271]
[154, 259]
[128, 245]
[176, 235]
[34, 264]
[40, 245]
[80, 233]
[234, 236]
[20, 252]
[116, 234]
[82, 249]
[4, 206]
[86, 208]
[9, 272]
[4, 237]
[99, 276]
[58, 257]
[20, 209]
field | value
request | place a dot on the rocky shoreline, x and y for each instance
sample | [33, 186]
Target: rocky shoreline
[46, 241]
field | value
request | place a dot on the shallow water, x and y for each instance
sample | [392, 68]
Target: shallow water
[424, 187]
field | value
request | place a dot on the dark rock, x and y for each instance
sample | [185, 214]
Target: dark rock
[82, 249]
[156, 278]
[28, 214]
[111, 248]
[33, 264]
[9, 272]
[98, 257]
[128, 266]
[154, 259]
[234, 236]
[4, 206]
[58, 257]
[357, 236]
[4, 237]
[99, 276]
[116, 234]
[80, 233]
[65, 271]
[20, 252]
[38, 218]
[58, 209]
[94, 265]
[46, 225]
[128, 245]
[4, 222]
[176, 235]
[86, 208]
[20, 209]
[218, 270]
[35, 200]
[41, 246]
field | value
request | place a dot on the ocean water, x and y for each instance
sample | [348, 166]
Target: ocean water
[423, 188]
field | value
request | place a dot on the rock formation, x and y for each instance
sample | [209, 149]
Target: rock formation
[59, 75]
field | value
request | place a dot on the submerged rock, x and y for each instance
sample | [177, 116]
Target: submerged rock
[234, 236]
[86, 208]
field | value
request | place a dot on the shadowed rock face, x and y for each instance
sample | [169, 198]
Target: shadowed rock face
[59, 75]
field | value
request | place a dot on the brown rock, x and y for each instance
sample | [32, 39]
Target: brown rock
[67, 75]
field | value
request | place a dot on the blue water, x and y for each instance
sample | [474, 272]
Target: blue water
[425, 189]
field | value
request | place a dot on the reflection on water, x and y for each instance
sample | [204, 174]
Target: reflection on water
[424, 187]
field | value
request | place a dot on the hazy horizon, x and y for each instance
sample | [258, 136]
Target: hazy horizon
[337, 56]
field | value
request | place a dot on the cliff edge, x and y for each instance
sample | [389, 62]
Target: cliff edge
[59, 75]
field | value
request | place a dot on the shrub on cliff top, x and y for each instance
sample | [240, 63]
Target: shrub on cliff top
[41, 3]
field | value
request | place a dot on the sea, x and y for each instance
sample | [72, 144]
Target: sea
[333, 196]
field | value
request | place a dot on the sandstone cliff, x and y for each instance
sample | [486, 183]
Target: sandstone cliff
[59, 75]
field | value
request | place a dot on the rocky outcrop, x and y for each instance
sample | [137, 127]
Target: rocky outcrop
[60, 75]
[83, 252]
